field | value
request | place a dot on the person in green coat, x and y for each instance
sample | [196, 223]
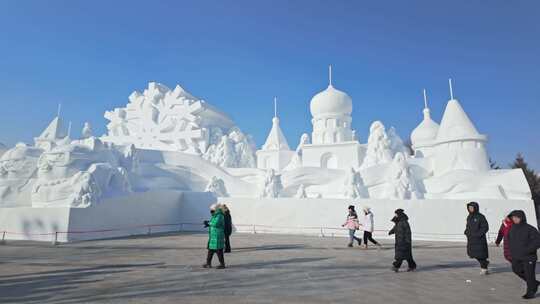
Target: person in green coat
[216, 237]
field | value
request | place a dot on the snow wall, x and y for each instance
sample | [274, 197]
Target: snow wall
[167, 211]
[140, 213]
[440, 220]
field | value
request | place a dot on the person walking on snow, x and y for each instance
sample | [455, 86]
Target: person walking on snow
[352, 224]
[367, 226]
[524, 241]
[503, 236]
[216, 237]
[476, 229]
[228, 227]
[403, 243]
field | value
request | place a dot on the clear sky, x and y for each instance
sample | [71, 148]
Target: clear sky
[237, 55]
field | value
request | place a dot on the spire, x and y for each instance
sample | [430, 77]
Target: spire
[330, 75]
[451, 91]
[275, 107]
[69, 129]
[426, 111]
[275, 140]
[58, 111]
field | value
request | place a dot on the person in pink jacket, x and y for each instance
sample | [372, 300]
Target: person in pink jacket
[352, 224]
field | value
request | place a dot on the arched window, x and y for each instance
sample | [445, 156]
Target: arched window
[329, 161]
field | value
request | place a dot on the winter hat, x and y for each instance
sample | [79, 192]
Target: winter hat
[214, 207]
[351, 207]
[399, 211]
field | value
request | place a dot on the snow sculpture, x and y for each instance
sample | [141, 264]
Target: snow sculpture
[424, 135]
[396, 143]
[217, 187]
[275, 153]
[379, 149]
[296, 161]
[354, 187]
[272, 185]
[166, 120]
[459, 146]
[233, 150]
[301, 192]
[400, 182]
[86, 131]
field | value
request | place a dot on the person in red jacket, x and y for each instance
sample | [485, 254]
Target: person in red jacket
[503, 236]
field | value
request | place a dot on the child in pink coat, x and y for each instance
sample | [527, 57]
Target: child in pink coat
[352, 224]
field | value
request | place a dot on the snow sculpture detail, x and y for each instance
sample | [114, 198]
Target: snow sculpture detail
[396, 143]
[159, 119]
[217, 187]
[301, 192]
[272, 185]
[233, 150]
[400, 182]
[174, 120]
[354, 187]
[86, 131]
[379, 149]
[296, 161]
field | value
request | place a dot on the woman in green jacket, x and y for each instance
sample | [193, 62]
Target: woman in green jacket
[216, 237]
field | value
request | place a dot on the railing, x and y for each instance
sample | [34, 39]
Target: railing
[253, 228]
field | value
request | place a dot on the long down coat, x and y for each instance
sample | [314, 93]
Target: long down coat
[402, 232]
[477, 227]
[216, 233]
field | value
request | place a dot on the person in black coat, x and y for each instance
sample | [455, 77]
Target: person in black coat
[477, 227]
[403, 244]
[228, 227]
[524, 241]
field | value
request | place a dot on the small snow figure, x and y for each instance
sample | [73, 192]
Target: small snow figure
[296, 161]
[400, 183]
[301, 193]
[216, 186]
[272, 184]
[354, 185]
[86, 131]
[378, 147]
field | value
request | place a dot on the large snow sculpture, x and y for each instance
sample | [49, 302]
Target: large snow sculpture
[174, 120]
[217, 187]
[354, 187]
[400, 181]
[59, 171]
[379, 149]
[272, 185]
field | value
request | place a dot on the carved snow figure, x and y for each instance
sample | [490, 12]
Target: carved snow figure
[233, 150]
[379, 149]
[88, 191]
[272, 184]
[301, 192]
[400, 182]
[354, 187]
[131, 158]
[118, 123]
[243, 149]
[216, 186]
[396, 143]
[86, 131]
[296, 161]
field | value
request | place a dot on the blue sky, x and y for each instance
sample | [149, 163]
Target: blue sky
[237, 55]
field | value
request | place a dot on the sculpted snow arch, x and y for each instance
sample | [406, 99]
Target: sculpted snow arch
[329, 161]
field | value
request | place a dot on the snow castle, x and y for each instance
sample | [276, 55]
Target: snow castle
[167, 155]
